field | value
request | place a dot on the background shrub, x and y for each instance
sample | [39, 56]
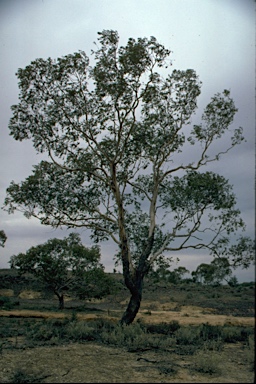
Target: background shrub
[249, 352]
[210, 332]
[188, 336]
[162, 328]
[207, 363]
[232, 334]
[49, 331]
[21, 376]
[80, 331]
[8, 303]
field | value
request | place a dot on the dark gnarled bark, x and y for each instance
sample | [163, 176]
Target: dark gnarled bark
[135, 282]
[134, 304]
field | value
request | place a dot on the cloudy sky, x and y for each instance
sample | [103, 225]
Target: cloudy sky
[216, 38]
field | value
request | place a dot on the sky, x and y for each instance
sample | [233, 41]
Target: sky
[216, 38]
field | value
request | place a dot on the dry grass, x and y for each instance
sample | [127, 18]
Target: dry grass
[188, 315]
[91, 362]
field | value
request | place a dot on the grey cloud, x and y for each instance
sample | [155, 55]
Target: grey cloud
[217, 39]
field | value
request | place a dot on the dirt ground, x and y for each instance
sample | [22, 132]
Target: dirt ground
[97, 363]
[92, 363]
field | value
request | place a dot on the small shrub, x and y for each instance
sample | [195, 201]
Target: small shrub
[188, 336]
[207, 363]
[101, 325]
[21, 376]
[123, 335]
[210, 332]
[80, 331]
[167, 370]
[49, 331]
[7, 303]
[133, 337]
[213, 345]
[163, 328]
[186, 349]
[249, 352]
[232, 334]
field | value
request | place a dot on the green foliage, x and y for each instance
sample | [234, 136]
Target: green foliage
[232, 334]
[133, 337]
[214, 273]
[208, 363]
[54, 332]
[233, 281]
[8, 303]
[161, 272]
[5, 303]
[169, 369]
[64, 265]
[162, 328]
[183, 340]
[210, 332]
[115, 134]
[95, 284]
[205, 336]
[21, 375]
[80, 331]
[188, 336]
[50, 332]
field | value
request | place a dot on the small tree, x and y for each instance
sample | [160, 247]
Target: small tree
[233, 281]
[64, 265]
[115, 134]
[95, 284]
[222, 269]
[204, 273]
[3, 238]
[214, 273]
[160, 270]
[178, 274]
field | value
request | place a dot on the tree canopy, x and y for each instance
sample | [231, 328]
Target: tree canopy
[214, 273]
[117, 134]
[65, 265]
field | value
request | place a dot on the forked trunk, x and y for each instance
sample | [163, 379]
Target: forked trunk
[134, 282]
[133, 306]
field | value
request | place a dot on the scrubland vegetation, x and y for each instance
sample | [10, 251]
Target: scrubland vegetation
[168, 347]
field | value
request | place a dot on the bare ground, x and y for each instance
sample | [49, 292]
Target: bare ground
[93, 363]
[97, 363]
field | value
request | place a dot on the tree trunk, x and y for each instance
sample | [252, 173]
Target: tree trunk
[134, 304]
[134, 282]
[61, 299]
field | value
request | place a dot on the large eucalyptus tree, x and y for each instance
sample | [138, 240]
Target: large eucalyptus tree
[117, 135]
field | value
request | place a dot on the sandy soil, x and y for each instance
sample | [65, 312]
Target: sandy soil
[97, 363]
[93, 363]
[188, 315]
